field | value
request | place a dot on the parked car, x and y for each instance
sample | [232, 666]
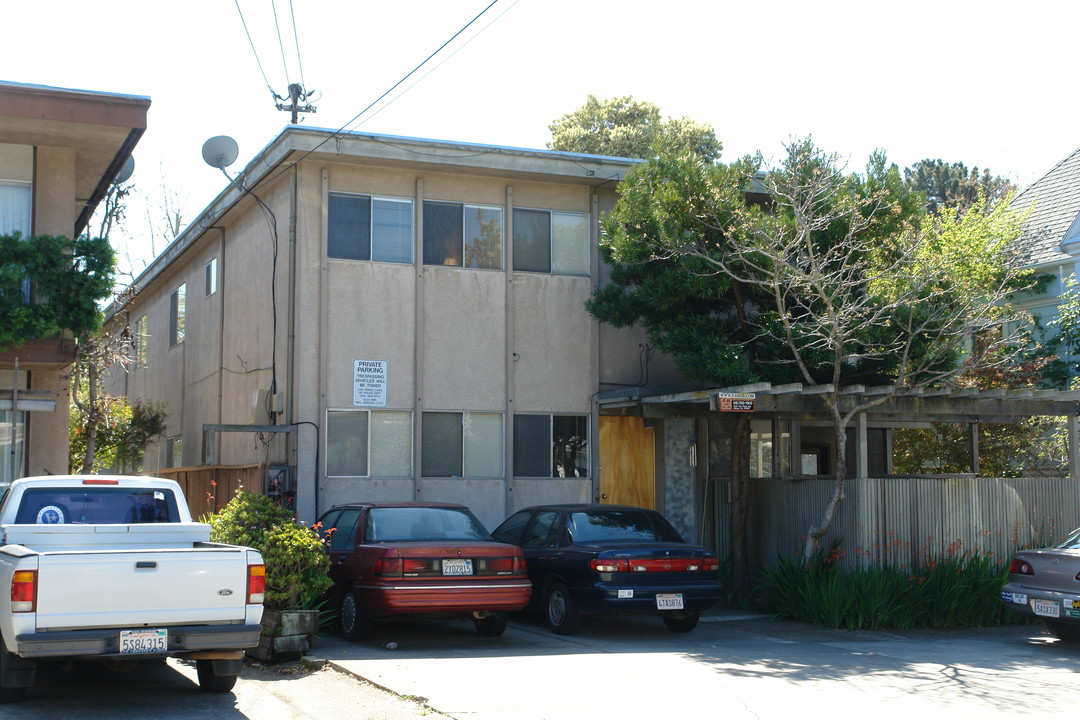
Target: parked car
[593, 559]
[1046, 584]
[408, 560]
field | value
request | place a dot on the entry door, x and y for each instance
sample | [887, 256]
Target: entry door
[627, 462]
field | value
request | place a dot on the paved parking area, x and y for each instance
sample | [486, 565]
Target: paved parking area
[732, 666]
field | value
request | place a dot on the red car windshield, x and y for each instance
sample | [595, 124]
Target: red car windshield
[621, 526]
[394, 524]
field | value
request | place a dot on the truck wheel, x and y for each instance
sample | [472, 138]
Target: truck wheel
[491, 625]
[7, 671]
[353, 623]
[210, 680]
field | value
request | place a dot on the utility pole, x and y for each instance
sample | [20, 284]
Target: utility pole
[297, 95]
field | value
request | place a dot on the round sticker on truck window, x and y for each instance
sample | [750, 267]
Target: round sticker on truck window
[50, 515]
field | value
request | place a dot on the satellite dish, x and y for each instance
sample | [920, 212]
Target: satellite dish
[220, 151]
[125, 171]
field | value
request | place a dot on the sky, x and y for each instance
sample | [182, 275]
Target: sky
[982, 82]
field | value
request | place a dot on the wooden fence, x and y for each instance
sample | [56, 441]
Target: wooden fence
[209, 488]
[902, 520]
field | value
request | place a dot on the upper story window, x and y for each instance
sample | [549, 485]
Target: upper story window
[364, 227]
[551, 445]
[15, 208]
[142, 335]
[550, 241]
[210, 271]
[462, 235]
[177, 314]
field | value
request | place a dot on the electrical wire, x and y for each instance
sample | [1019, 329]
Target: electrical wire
[253, 50]
[281, 45]
[296, 39]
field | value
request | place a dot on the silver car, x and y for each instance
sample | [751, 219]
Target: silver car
[1046, 584]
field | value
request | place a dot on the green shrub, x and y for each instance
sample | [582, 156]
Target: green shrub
[962, 590]
[296, 561]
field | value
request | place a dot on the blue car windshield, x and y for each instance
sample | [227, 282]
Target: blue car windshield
[621, 526]
[96, 505]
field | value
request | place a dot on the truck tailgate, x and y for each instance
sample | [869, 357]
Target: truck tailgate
[158, 587]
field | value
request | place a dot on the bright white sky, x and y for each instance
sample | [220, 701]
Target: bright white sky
[987, 83]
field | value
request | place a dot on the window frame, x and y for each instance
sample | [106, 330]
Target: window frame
[333, 245]
[177, 315]
[520, 437]
[210, 276]
[552, 241]
[433, 251]
[466, 455]
[369, 429]
[142, 337]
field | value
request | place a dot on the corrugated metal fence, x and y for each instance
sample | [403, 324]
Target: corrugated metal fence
[901, 520]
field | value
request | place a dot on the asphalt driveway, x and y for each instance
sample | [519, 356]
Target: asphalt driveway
[732, 666]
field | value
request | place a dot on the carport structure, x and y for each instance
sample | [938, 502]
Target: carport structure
[784, 467]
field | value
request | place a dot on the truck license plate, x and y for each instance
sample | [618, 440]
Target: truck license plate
[1047, 608]
[143, 641]
[669, 601]
[457, 566]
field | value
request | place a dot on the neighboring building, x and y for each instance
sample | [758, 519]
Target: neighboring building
[1050, 241]
[385, 318]
[59, 152]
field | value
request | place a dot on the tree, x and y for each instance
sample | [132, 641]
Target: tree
[624, 127]
[105, 431]
[68, 279]
[849, 280]
[953, 185]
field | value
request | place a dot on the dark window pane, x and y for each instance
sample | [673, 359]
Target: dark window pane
[442, 234]
[441, 449]
[510, 531]
[346, 443]
[348, 233]
[344, 536]
[621, 525]
[539, 533]
[532, 446]
[392, 524]
[570, 445]
[532, 240]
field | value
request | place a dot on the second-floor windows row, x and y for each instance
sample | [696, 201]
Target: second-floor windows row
[380, 229]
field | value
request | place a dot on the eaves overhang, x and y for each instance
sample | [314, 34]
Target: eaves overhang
[295, 144]
[807, 402]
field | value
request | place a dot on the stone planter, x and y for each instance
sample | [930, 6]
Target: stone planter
[286, 635]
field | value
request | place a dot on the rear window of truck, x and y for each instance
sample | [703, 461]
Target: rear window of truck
[96, 506]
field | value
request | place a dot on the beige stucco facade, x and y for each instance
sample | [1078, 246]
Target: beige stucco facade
[288, 320]
[59, 152]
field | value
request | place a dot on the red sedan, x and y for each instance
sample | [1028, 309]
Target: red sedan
[407, 559]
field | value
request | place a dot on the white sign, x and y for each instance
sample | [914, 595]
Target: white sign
[369, 383]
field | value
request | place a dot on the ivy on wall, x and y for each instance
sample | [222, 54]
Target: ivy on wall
[69, 279]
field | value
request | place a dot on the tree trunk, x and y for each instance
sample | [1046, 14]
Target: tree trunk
[740, 497]
[820, 529]
[92, 420]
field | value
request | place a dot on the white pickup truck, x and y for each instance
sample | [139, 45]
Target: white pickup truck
[113, 567]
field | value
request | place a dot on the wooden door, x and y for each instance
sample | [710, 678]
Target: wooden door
[627, 462]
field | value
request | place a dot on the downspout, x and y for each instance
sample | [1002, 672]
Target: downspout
[291, 371]
[594, 336]
[508, 361]
[221, 331]
[418, 338]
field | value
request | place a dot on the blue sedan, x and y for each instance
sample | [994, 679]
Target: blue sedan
[596, 559]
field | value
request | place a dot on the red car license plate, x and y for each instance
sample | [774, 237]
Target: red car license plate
[457, 566]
